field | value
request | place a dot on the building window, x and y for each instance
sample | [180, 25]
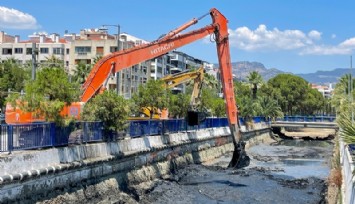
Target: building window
[18, 50]
[68, 50]
[28, 51]
[100, 50]
[7, 51]
[160, 70]
[58, 51]
[82, 50]
[44, 50]
[83, 61]
[113, 49]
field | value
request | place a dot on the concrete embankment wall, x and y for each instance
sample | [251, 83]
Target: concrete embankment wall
[348, 169]
[102, 170]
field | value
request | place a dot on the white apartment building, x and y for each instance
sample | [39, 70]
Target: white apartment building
[326, 91]
[45, 45]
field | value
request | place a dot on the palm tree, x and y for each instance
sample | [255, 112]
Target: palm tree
[347, 127]
[249, 108]
[81, 72]
[96, 59]
[341, 98]
[270, 108]
[210, 81]
[255, 80]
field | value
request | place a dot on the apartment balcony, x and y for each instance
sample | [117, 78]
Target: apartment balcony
[82, 55]
[174, 70]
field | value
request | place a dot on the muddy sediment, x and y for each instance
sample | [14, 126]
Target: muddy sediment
[284, 171]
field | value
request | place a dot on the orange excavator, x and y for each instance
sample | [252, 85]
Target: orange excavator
[120, 60]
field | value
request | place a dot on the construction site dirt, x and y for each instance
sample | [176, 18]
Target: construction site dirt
[288, 171]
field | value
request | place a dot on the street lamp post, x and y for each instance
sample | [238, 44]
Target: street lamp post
[118, 49]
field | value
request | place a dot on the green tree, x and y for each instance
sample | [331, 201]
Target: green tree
[110, 108]
[289, 90]
[249, 108]
[269, 108]
[12, 77]
[210, 81]
[241, 90]
[96, 59]
[207, 97]
[344, 106]
[52, 62]
[179, 105]
[152, 95]
[255, 79]
[341, 98]
[47, 94]
[218, 107]
[313, 102]
[81, 72]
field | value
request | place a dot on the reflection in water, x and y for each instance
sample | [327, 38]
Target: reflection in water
[302, 162]
[225, 182]
[305, 143]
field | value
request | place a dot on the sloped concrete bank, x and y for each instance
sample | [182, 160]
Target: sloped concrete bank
[107, 171]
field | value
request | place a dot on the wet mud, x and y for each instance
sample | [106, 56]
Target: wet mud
[290, 171]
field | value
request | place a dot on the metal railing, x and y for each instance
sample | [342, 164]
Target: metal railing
[158, 127]
[307, 118]
[42, 135]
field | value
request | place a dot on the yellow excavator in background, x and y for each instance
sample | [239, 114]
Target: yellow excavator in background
[173, 80]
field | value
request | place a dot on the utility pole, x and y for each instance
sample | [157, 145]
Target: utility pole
[118, 49]
[34, 64]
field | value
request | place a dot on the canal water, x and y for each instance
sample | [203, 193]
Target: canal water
[291, 171]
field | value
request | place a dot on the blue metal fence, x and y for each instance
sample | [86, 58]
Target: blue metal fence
[3, 138]
[308, 118]
[41, 135]
[157, 127]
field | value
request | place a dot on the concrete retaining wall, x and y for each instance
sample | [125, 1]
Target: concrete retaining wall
[33, 176]
[348, 187]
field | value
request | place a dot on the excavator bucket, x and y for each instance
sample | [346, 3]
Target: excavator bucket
[240, 158]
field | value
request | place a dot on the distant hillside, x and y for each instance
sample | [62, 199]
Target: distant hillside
[323, 77]
[242, 69]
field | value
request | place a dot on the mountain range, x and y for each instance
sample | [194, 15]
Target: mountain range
[242, 69]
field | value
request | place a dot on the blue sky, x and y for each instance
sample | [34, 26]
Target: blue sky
[298, 36]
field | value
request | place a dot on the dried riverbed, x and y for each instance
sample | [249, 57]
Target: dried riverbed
[290, 171]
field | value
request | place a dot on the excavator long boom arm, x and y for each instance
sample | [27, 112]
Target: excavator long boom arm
[120, 60]
[127, 58]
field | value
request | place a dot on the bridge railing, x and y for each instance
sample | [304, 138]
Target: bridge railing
[42, 135]
[307, 119]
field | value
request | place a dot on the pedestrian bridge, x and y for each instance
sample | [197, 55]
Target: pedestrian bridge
[331, 125]
[306, 122]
